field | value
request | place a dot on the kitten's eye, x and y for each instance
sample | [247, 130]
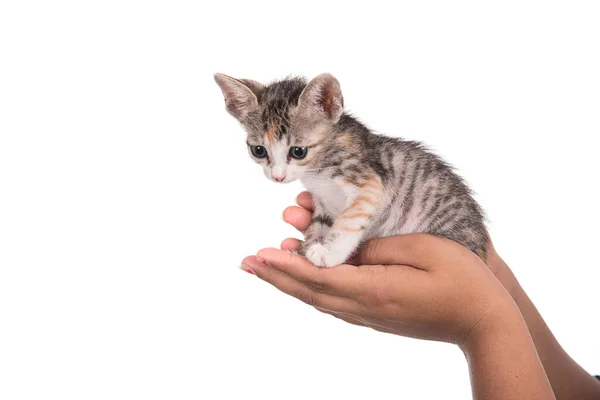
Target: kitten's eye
[258, 151]
[298, 152]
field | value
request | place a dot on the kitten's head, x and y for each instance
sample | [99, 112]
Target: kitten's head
[287, 121]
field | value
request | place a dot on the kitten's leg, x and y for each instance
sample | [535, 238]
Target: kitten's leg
[347, 230]
[318, 227]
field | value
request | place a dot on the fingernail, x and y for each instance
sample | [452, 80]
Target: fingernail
[261, 260]
[247, 269]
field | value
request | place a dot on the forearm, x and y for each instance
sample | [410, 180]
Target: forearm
[568, 379]
[503, 362]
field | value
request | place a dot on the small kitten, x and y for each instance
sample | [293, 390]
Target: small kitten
[363, 185]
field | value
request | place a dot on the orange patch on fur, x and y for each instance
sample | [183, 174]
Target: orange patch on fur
[348, 229]
[271, 133]
[346, 141]
[363, 199]
[372, 190]
[372, 183]
[355, 215]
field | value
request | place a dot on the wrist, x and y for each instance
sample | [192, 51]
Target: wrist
[500, 322]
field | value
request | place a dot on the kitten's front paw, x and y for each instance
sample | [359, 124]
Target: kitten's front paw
[321, 256]
[304, 246]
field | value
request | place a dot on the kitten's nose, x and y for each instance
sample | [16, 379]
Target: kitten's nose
[279, 178]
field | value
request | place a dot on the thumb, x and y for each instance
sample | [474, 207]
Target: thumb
[419, 250]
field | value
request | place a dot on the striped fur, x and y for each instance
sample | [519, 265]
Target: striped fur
[364, 185]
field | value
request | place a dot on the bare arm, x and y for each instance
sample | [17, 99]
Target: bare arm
[569, 381]
[503, 364]
[429, 288]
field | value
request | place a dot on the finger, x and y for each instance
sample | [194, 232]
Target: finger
[298, 217]
[290, 244]
[304, 200]
[295, 288]
[342, 280]
[420, 251]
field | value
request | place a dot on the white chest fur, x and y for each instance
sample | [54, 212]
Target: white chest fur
[330, 192]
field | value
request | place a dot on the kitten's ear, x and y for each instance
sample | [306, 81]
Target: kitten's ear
[240, 95]
[323, 97]
[256, 87]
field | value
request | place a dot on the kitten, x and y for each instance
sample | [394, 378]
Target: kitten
[363, 185]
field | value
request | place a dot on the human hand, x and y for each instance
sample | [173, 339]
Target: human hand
[414, 285]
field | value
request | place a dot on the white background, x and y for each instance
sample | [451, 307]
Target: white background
[127, 199]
